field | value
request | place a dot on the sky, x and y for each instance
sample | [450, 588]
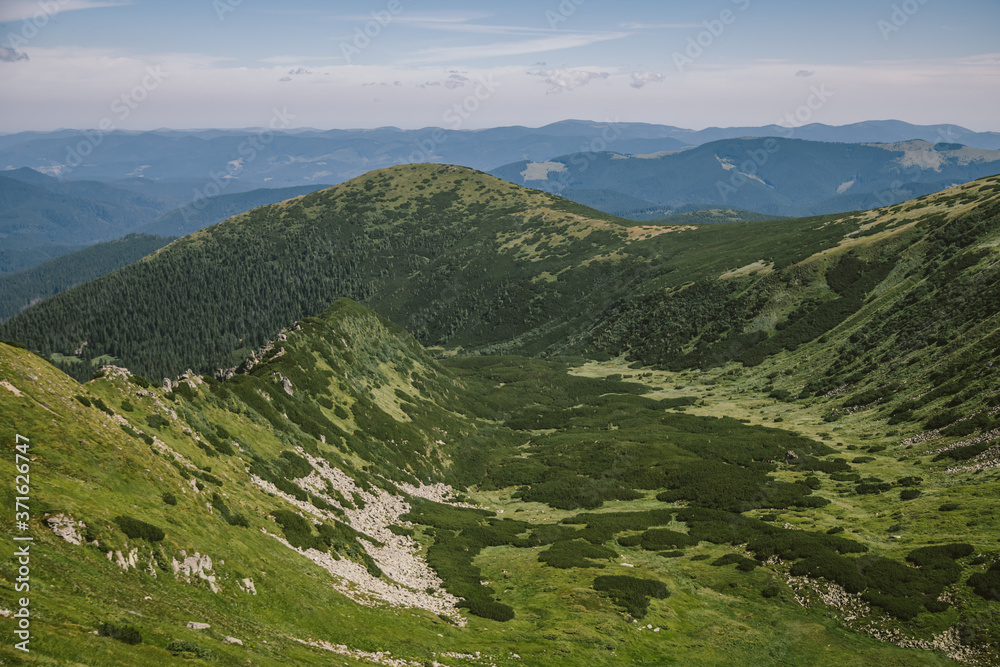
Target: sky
[147, 64]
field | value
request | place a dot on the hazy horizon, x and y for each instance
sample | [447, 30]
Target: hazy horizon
[229, 64]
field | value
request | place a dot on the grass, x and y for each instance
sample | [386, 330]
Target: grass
[89, 468]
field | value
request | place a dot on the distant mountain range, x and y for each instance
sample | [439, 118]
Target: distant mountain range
[172, 182]
[245, 161]
[42, 217]
[774, 176]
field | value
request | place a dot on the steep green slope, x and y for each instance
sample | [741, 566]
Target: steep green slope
[462, 260]
[296, 506]
[713, 215]
[906, 306]
[455, 256]
[19, 290]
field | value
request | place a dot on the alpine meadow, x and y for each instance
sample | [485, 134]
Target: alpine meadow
[329, 336]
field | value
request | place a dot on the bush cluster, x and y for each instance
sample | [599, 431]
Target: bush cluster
[139, 530]
[631, 593]
[575, 553]
[123, 632]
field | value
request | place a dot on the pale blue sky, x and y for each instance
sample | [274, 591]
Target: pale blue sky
[231, 63]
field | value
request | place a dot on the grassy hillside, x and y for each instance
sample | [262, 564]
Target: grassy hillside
[455, 256]
[874, 308]
[297, 505]
[20, 290]
[713, 215]
[903, 309]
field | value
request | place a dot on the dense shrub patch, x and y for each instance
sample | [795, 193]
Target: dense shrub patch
[575, 553]
[631, 593]
[459, 535]
[139, 530]
[987, 584]
[123, 632]
[742, 563]
[233, 519]
[183, 646]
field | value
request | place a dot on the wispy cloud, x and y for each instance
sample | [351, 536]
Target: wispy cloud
[500, 49]
[18, 10]
[11, 55]
[641, 79]
[659, 26]
[295, 60]
[561, 80]
[474, 28]
[805, 73]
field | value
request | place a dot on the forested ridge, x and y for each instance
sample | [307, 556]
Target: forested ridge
[463, 260]
[19, 290]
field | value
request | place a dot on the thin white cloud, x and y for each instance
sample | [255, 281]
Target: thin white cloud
[659, 26]
[11, 55]
[295, 60]
[74, 87]
[641, 79]
[478, 28]
[427, 17]
[18, 10]
[561, 80]
[500, 49]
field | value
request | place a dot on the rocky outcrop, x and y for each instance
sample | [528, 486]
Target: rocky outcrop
[195, 566]
[413, 582]
[67, 528]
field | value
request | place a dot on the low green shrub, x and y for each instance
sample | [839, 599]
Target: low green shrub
[183, 646]
[123, 632]
[631, 593]
[771, 591]
[575, 553]
[742, 563]
[157, 421]
[139, 530]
